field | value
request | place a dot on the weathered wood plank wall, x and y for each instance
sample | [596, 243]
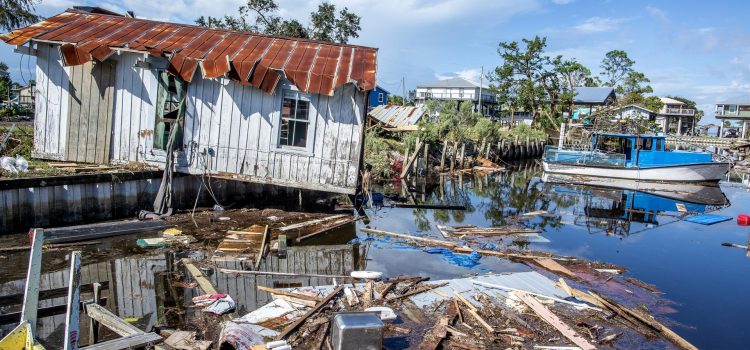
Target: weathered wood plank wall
[51, 114]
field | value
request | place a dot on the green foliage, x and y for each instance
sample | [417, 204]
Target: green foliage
[5, 82]
[21, 141]
[377, 149]
[17, 13]
[395, 100]
[518, 80]
[261, 16]
[616, 65]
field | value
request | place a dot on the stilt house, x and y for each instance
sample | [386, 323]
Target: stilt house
[113, 89]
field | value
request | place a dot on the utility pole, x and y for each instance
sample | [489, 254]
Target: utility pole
[481, 82]
[403, 92]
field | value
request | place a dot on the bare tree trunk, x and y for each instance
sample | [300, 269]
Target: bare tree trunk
[463, 153]
[454, 152]
[426, 158]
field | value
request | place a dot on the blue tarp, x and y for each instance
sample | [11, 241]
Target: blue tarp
[707, 219]
[463, 260]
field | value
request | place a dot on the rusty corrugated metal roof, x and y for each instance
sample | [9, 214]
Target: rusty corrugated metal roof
[250, 58]
[398, 116]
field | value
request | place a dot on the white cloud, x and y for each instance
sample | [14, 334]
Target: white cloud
[657, 12]
[562, 2]
[470, 74]
[599, 24]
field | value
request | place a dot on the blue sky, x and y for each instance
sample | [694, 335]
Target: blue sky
[699, 50]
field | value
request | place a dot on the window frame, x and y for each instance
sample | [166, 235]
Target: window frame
[312, 114]
[380, 97]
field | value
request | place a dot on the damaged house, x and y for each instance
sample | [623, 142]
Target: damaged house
[274, 110]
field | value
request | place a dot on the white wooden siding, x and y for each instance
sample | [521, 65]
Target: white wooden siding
[51, 115]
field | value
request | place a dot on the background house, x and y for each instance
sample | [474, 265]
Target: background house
[674, 118]
[736, 110]
[378, 97]
[588, 100]
[632, 112]
[272, 110]
[456, 89]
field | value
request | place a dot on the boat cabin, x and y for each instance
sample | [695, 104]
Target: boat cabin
[643, 151]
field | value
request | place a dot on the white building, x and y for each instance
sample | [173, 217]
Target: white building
[456, 89]
[675, 118]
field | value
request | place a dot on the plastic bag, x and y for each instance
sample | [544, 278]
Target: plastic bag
[22, 165]
[9, 164]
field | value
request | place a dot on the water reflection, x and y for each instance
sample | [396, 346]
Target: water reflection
[613, 205]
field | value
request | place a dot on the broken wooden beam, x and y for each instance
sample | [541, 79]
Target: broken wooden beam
[437, 333]
[336, 224]
[31, 293]
[73, 314]
[310, 222]
[292, 327]
[199, 277]
[111, 321]
[413, 238]
[546, 314]
[287, 274]
[263, 243]
[290, 294]
[100, 230]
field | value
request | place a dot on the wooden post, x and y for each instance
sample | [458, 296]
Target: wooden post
[72, 313]
[463, 153]
[426, 158]
[454, 152]
[93, 324]
[481, 148]
[561, 142]
[31, 294]
[409, 161]
[406, 160]
[442, 156]
[487, 150]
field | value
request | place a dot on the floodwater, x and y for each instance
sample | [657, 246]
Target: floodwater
[641, 231]
[611, 222]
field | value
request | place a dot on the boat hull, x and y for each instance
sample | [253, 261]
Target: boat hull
[675, 173]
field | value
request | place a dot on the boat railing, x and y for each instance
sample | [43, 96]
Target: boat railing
[585, 157]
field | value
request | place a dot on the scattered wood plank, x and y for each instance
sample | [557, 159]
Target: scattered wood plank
[437, 333]
[311, 222]
[244, 233]
[111, 321]
[555, 267]
[292, 327]
[262, 252]
[199, 277]
[414, 238]
[100, 230]
[335, 225]
[554, 321]
[130, 342]
[470, 309]
[463, 300]
[287, 274]
[62, 164]
[290, 294]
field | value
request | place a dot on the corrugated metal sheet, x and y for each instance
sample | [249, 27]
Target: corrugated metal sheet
[398, 116]
[252, 59]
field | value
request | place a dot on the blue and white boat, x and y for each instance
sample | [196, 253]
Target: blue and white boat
[634, 157]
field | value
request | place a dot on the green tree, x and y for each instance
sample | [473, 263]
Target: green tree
[261, 16]
[523, 67]
[6, 84]
[395, 100]
[16, 13]
[616, 66]
[573, 74]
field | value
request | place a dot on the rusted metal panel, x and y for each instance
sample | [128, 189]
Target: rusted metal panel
[216, 62]
[249, 58]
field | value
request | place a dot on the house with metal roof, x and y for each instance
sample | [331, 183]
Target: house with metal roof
[253, 107]
[378, 97]
[458, 89]
[736, 109]
[398, 118]
[588, 99]
[675, 118]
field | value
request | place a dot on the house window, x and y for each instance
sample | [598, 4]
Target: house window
[380, 97]
[170, 111]
[295, 108]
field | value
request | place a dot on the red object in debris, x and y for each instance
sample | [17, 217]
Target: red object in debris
[743, 220]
